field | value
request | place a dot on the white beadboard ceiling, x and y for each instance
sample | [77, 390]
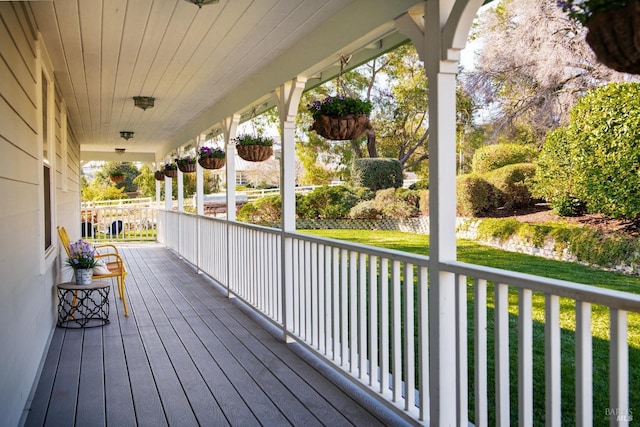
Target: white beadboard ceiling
[200, 65]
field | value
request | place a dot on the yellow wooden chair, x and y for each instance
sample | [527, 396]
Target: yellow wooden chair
[113, 261]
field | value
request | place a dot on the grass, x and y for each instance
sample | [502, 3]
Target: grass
[474, 253]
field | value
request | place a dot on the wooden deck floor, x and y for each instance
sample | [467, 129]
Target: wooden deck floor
[188, 356]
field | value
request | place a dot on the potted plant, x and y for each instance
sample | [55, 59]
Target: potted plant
[340, 117]
[614, 33]
[186, 164]
[254, 148]
[171, 170]
[82, 258]
[116, 172]
[211, 158]
[159, 175]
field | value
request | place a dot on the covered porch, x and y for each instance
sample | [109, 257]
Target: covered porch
[188, 355]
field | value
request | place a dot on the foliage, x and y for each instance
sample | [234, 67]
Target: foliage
[146, 182]
[170, 166]
[115, 169]
[554, 179]
[211, 153]
[582, 10]
[377, 174]
[511, 184]
[491, 157]
[96, 192]
[474, 196]
[366, 209]
[397, 202]
[423, 184]
[423, 204]
[102, 188]
[588, 245]
[568, 205]
[247, 139]
[265, 210]
[533, 66]
[315, 172]
[187, 160]
[327, 203]
[82, 254]
[339, 105]
[596, 158]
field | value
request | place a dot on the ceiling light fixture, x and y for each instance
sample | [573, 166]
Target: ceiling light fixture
[126, 134]
[120, 150]
[201, 3]
[143, 102]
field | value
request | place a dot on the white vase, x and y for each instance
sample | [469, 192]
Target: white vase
[84, 276]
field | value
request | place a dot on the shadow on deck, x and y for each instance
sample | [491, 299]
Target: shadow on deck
[188, 356]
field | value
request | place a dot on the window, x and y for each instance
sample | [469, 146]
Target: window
[46, 179]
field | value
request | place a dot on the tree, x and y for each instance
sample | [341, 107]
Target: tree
[396, 83]
[146, 182]
[130, 172]
[601, 161]
[533, 67]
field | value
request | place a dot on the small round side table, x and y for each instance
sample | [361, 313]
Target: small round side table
[83, 306]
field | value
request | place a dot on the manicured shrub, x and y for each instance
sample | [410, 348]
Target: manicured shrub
[327, 203]
[596, 158]
[377, 174]
[568, 205]
[423, 184]
[424, 203]
[511, 184]
[365, 210]
[397, 203]
[491, 157]
[264, 210]
[474, 196]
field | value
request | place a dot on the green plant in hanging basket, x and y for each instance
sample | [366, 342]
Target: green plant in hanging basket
[254, 148]
[340, 117]
[246, 139]
[614, 30]
[170, 170]
[340, 106]
[211, 158]
[186, 164]
[116, 172]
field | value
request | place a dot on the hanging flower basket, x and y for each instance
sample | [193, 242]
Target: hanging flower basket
[212, 162]
[171, 173]
[254, 153]
[614, 36]
[187, 167]
[159, 175]
[339, 128]
[116, 178]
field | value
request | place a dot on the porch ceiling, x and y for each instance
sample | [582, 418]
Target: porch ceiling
[200, 65]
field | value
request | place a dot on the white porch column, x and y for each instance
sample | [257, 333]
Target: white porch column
[287, 98]
[230, 130]
[158, 192]
[180, 191]
[199, 187]
[438, 36]
[168, 194]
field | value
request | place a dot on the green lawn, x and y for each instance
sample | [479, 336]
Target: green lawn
[474, 253]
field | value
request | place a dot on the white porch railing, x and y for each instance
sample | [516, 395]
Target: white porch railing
[364, 310]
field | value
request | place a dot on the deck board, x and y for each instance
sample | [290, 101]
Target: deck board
[187, 355]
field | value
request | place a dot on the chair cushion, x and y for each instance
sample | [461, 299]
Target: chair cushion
[101, 269]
